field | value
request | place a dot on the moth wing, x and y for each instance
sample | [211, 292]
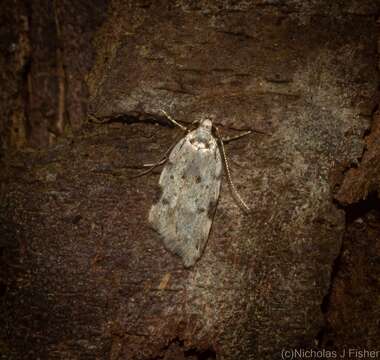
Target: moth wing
[190, 185]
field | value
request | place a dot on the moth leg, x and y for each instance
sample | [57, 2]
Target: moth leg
[245, 133]
[151, 167]
[158, 163]
[162, 161]
[232, 138]
[184, 128]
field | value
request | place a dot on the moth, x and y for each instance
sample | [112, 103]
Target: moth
[190, 185]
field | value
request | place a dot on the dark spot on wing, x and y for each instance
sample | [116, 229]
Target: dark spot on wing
[157, 195]
[165, 201]
[197, 246]
[198, 179]
[211, 209]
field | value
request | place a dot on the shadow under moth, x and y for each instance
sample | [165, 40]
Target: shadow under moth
[190, 185]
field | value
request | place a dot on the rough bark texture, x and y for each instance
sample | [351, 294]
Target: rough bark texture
[46, 53]
[364, 179]
[14, 55]
[85, 277]
[352, 308]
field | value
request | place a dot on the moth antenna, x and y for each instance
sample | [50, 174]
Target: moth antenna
[234, 192]
[184, 128]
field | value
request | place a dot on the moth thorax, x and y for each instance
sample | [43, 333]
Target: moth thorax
[201, 138]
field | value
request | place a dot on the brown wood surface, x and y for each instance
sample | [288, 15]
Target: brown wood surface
[84, 277]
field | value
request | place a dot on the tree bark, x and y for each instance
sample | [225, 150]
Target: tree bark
[85, 275]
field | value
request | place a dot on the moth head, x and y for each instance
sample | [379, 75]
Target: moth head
[206, 124]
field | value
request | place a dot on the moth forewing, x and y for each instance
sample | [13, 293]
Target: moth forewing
[190, 186]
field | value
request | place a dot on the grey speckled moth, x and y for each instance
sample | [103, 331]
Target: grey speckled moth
[190, 185]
